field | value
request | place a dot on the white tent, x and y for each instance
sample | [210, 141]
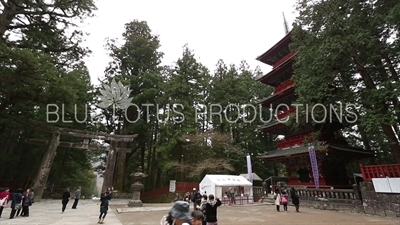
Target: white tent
[255, 176]
[219, 184]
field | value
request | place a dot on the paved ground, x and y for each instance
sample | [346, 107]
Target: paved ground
[263, 214]
[48, 212]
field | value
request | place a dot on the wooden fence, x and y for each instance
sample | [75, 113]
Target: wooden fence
[380, 171]
[181, 187]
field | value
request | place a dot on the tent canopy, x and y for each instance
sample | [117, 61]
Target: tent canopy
[226, 180]
[255, 176]
[218, 185]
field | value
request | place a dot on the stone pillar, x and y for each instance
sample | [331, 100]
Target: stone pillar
[137, 186]
[45, 166]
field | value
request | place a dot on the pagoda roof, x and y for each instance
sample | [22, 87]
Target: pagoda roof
[270, 125]
[276, 96]
[265, 58]
[276, 71]
[299, 150]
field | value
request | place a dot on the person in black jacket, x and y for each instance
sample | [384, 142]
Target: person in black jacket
[65, 199]
[211, 210]
[295, 199]
[16, 203]
[105, 199]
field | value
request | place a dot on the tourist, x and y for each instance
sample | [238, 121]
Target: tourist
[65, 199]
[277, 198]
[186, 197]
[105, 200]
[77, 197]
[284, 201]
[195, 198]
[16, 202]
[295, 199]
[197, 218]
[202, 208]
[109, 194]
[211, 210]
[26, 202]
[232, 196]
[202, 202]
[4, 199]
[179, 214]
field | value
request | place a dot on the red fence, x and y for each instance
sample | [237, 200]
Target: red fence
[181, 187]
[379, 171]
[12, 184]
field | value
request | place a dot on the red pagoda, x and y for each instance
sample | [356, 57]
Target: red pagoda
[331, 151]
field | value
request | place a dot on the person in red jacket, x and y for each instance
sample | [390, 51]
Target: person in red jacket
[4, 199]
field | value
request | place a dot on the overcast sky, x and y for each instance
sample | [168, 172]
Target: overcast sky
[232, 30]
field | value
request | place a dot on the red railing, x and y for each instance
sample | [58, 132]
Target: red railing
[284, 59]
[294, 140]
[380, 171]
[283, 86]
[12, 184]
[284, 114]
[181, 187]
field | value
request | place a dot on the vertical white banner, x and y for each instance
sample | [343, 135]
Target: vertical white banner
[249, 169]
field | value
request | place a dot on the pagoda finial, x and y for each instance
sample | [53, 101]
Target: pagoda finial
[285, 24]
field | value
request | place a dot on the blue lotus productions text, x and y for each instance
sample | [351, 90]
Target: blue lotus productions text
[231, 113]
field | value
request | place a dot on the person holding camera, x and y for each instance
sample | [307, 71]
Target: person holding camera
[211, 210]
[105, 200]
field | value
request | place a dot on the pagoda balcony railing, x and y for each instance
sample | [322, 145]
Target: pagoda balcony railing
[283, 86]
[286, 113]
[380, 171]
[284, 59]
[293, 141]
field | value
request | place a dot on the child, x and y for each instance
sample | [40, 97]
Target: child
[284, 201]
[197, 217]
[103, 207]
[278, 201]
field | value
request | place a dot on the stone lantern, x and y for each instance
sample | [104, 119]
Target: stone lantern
[137, 186]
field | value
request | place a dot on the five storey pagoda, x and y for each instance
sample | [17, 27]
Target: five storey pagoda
[317, 165]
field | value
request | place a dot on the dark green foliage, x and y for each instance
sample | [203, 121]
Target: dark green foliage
[347, 53]
[42, 65]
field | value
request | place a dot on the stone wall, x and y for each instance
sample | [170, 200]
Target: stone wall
[379, 203]
[387, 205]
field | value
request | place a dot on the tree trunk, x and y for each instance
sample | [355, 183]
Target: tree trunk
[153, 162]
[387, 129]
[142, 151]
[393, 141]
[110, 167]
[6, 18]
[120, 168]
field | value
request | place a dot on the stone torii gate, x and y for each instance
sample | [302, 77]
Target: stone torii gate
[54, 142]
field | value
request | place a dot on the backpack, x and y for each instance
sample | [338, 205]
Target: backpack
[284, 200]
